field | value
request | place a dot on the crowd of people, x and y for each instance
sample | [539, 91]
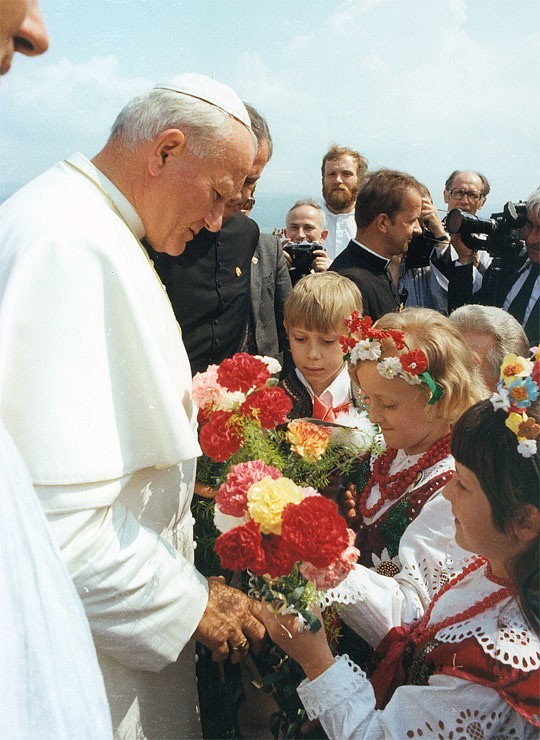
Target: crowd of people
[141, 267]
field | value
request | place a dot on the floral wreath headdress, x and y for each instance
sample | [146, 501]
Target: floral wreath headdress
[364, 343]
[517, 389]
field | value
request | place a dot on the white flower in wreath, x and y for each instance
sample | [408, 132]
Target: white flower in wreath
[527, 447]
[366, 349]
[389, 368]
[385, 565]
[501, 400]
[410, 378]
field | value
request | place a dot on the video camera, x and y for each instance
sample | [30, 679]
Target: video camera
[301, 256]
[502, 229]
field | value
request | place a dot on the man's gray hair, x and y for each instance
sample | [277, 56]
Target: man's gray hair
[533, 204]
[507, 332]
[312, 204]
[485, 182]
[205, 126]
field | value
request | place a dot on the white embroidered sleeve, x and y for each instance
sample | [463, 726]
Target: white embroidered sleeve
[374, 603]
[342, 698]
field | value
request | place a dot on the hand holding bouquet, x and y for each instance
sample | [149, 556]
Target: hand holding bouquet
[290, 538]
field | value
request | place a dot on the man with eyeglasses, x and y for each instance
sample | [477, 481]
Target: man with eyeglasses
[458, 269]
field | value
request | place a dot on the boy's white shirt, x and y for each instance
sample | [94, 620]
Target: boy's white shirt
[338, 392]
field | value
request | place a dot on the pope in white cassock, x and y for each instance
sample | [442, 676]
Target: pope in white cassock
[95, 388]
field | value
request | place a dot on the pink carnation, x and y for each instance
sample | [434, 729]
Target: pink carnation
[206, 388]
[325, 578]
[232, 495]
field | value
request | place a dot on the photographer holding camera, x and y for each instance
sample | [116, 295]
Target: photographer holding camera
[305, 232]
[459, 269]
[522, 290]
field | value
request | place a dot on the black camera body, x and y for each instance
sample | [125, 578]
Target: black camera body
[502, 229]
[301, 256]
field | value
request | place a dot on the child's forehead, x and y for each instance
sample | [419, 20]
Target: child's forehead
[315, 331]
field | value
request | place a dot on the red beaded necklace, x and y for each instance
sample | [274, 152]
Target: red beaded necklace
[423, 633]
[393, 486]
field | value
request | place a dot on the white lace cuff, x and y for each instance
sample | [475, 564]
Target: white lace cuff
[333, 687]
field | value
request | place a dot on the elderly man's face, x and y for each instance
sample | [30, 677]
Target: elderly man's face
[21, 29]
[465, 193]
[192, 192]
[531, 232]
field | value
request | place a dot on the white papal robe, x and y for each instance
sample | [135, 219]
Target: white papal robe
[95, 388]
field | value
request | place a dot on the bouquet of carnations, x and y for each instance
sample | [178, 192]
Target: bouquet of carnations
[291, 539]
[243, 417]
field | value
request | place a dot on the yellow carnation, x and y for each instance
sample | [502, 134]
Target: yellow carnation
[514, 421]
[308, 440]
[266, 500]
[514, 367]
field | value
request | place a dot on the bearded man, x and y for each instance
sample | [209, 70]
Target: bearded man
[343, 170]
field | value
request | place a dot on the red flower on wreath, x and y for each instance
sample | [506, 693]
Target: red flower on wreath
[269, 405]
[242, 372]
[414, 362]
[241, 548]
[314, 531]
[218, 437]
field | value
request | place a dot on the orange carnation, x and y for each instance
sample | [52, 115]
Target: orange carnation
[308, 440]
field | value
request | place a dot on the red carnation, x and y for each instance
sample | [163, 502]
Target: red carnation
[240, 548]
[279, 561]
[269, 405]
[314, 531]
[218, 438]
[414, 362]
[535, 372]
[242, 372]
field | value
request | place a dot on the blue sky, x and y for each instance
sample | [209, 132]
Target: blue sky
[425, 86]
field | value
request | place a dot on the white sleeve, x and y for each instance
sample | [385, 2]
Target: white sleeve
[343, 699]
[143, 599]
[428, 554]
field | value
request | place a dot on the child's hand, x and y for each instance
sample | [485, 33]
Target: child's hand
[309, 649]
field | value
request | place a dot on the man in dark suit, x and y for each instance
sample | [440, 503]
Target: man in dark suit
[522, 298]
[387, 215]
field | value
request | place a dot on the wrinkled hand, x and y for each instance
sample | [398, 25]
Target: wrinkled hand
[309, 649]
[322, 261]
[201, 489]
[230, 618]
